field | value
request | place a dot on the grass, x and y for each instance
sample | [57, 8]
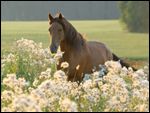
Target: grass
[29, 66]
[133, 46]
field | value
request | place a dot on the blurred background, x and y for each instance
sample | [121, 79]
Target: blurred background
[73, 10]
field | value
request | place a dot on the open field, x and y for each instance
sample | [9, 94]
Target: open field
[133, 46]
[30, 81]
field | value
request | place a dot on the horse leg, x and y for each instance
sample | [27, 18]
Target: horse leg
[75, 76]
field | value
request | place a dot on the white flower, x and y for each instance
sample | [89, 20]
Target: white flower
[59, 74]
[119, 87]
[64, 65]
[7, 95]
[113, 66]
[68, 105]
[145, 83]
[77, 67]
[124, 71]
[48, 71]
[140, 72]
[96, 73]
[142, 108]
[58, 55]
[87, 84]
[136, 83]
[44, 75]
[35, 82]
[12, 76]
[6, 109]
[25, 103]
[123, 98]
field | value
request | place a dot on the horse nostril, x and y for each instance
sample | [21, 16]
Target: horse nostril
[53, 49]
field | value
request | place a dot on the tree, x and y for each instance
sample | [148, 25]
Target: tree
[135, 14]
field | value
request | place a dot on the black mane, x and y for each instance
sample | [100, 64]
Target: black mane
[72, 37]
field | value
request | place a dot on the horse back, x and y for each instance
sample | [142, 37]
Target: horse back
[98, 52]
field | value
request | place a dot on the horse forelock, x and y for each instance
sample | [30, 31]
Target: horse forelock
[72, 37]
[60, 22]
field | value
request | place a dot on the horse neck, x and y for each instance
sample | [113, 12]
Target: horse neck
[64, 46]
[73, 40]
[68, 47]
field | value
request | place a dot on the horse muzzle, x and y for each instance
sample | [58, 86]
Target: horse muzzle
[53, 48]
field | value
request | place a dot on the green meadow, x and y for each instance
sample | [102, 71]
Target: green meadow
[30, 81]
[134, 46]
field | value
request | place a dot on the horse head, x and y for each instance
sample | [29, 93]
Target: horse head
[56, 31]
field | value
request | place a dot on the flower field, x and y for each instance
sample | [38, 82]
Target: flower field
[30, 82]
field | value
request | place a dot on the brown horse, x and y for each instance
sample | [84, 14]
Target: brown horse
[81, 55]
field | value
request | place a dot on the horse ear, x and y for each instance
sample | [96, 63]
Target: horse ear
[60, 16]
[50, 18]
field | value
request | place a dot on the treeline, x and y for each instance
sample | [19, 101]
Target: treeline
[135, 15]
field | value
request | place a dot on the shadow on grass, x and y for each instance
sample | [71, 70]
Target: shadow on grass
[137, 62]
[135, 58]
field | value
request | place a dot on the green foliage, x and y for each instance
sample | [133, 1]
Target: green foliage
[135, 14]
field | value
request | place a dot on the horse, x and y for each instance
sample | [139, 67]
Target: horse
[81, 55]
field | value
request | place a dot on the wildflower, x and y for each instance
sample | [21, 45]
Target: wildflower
[113, 66]
[130, 70]
[11, 76]
[24, 103]
[106, 110]
[145, 83]
[18, 90]
[68, 105]
[77, 67]
[142, 108]
[96, 74]
[136, 83]
[64, 65]
[81, 105]
[6, 109]
[122, 88]
[48, 71]
[58, 55]
[7, 95]
[22, 82]
[124, 71]
[43, 75]
[123, 98]
[10, 58]
[35, 83]
[87, 84]
[140, 72]
[59, 74]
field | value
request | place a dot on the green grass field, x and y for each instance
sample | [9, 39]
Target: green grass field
[111, 32]
[30, 81]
